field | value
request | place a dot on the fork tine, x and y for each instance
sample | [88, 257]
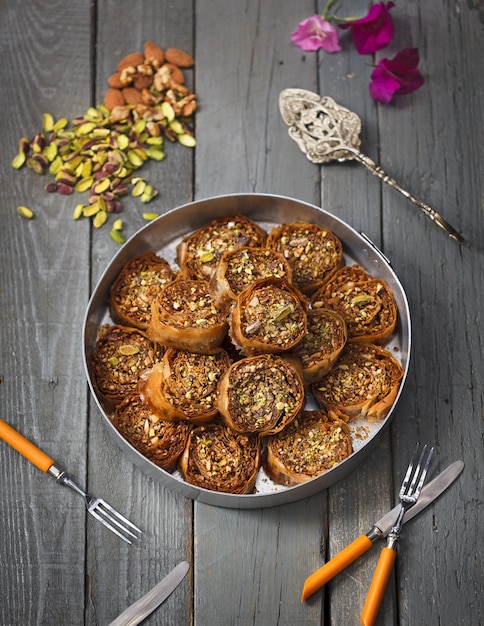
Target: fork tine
[425, 469]
[120, 517]
[107, 515]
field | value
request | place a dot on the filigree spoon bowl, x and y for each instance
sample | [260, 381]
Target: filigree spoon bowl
[326, 131]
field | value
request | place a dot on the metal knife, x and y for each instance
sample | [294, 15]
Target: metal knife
[380, 529]
[138, 611]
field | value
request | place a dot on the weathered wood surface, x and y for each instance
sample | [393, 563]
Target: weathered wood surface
[248, 566]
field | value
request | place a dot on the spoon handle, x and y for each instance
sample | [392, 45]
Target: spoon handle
[423, 206]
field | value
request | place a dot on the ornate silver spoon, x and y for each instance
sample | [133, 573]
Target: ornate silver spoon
[326, 131]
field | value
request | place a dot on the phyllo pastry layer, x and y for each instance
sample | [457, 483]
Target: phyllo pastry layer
[241, 267]
[120, 357]
[218, 459]
[313, 252]
[184, 316]
[159, 440]
[268, 317]
[138, 283]
[313, 443]
[320, 348]
[366, 304]
[363, 383]
[260, 394]
[199, 252]
[184, 386]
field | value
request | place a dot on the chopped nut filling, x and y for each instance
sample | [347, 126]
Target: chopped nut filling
[366, 304]
[313, 252]
[200, 252]
[121, 356]
[159, 440]
[220, 460]
[137, 285]
[363, 376]
[260, 395]
[312, 444]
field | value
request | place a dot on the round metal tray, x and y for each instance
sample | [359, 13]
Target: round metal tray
[162, 236]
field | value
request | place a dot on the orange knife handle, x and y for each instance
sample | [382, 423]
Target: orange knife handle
[321, 576]
[378, 586]
[25, 447]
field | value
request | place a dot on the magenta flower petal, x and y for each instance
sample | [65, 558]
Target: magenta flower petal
[374, 31]
[314, 33]
[396, 76]
[383, 86]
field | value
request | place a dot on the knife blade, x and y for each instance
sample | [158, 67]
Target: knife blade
[380, 529]
[429, 493]
[140, 609]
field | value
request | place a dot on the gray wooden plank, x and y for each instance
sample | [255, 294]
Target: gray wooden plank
[433, 139]
[243, 147]
[43, 385]
[165, 517]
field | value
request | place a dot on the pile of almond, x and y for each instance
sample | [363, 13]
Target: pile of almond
[151, 77]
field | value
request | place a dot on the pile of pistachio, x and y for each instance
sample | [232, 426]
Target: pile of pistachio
[100, 152]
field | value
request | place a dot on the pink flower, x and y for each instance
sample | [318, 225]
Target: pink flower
[373, 32]
[396, 76]
[314, 33]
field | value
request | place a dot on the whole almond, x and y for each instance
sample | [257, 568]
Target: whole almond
[142, 82]
[131, 60]
[153, 51]
[115, 81]
[113, 98]
[132, 95]
[179, 57]
[175, 73]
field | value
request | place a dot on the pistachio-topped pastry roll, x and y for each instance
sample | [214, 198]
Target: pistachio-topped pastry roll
[159, 440]
[366, 304]
[260, 394]
[184, 316]
[268, 317]
[313, 443]
[184, 386]
[241, 267]
[313, 252]
[218, 459]
[121, 355]
[199, 252]
[321, 346]
[363, 383]
[136, 286]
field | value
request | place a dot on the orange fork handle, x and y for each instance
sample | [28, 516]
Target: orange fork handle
[321, 576]
[378, 586]
[25, 447]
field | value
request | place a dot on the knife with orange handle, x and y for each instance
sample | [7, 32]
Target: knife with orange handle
[380, 529]
[25, 447]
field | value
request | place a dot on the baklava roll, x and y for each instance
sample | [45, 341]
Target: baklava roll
[313, 443]
[320, 348]
[161, 441]
[260, 394]
[313, 252]
[184, 386]
[363, 383]
[199, 252]
[268, 317]
[366, 304]
[120, 356]
[185, 317]
[241, 267]
[136, 286]
[218, 459]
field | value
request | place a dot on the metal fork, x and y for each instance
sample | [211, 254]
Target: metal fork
[408, 495]
[97, 507]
